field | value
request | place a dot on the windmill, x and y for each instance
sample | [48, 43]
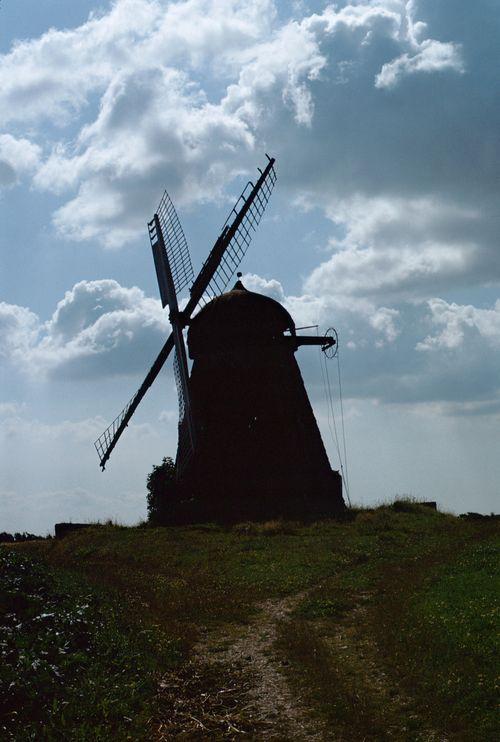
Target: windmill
[225, 349]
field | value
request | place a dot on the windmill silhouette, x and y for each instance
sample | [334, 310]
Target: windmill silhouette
[248, 442]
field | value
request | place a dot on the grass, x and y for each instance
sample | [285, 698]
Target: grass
[71, 668]
[392, 637]
[404, 648]
[449, 641]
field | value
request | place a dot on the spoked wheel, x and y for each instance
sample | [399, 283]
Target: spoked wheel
[331, 351]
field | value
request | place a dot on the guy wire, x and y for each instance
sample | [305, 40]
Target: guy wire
[342, 418]
[331, 417]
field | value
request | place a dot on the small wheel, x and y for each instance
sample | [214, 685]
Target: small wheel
[331, 351]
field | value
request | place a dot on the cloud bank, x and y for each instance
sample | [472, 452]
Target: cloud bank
[99, 328]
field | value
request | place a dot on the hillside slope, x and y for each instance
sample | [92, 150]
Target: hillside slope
[383, 627]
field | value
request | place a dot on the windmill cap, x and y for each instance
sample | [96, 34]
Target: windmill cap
[238, 317]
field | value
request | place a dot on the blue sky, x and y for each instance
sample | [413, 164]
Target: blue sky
[383, 116]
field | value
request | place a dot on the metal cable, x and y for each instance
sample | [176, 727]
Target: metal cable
[331, 419]
[342, 417]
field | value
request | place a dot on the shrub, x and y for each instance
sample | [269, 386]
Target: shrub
[160, 482]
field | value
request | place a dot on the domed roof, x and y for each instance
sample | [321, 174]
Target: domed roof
[237, 317]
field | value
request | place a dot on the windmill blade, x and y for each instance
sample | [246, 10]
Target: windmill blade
[107, 441]
[167, 223]
[161, 244]
[185, 448]
[234, 239]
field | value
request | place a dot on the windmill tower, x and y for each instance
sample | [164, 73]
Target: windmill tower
[249, 445]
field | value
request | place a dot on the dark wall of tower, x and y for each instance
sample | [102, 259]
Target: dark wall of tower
[259, 452]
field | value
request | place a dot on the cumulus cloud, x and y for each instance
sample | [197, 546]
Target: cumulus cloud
[457, 321]
[19, 329]
[189, 90]
[155, 124]
[431, 56]
[17, 157]
[99, 328]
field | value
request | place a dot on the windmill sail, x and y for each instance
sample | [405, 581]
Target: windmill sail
[171, 257]
[213, 278]
[185, 448]
[239, 226]
[235, 237]
[175, 244]
[107, 441]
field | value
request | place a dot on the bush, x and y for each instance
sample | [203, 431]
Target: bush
[160, 483]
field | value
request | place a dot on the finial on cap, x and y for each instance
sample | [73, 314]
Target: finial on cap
[239, 274]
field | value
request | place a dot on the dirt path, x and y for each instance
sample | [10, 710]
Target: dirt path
[234, 686]
[268, 697]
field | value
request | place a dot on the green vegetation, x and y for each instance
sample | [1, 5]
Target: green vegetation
[452, 640]
[70, 667]
[159, 483]
[405, 648]
[391, 630]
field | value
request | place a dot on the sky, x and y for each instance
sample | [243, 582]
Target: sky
[383, 116]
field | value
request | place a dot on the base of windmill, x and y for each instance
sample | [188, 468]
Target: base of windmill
[188, 502]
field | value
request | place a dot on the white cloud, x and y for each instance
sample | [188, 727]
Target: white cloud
[52, 76]
[10, 409]
[17, 157]
[384, 322]
[188, 90]
[99, 328]
[19, 328]
[432, 56]
[386, 273]
[456, 321]
[271, 287]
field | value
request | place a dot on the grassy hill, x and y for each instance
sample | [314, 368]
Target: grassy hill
[382, 627]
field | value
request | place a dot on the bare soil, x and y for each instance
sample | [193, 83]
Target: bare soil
[238, 688]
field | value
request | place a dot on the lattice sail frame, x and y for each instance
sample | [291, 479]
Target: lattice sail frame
[180, 395]
[175, 243]
[103, 443]
[236, 250]
[185, 448]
